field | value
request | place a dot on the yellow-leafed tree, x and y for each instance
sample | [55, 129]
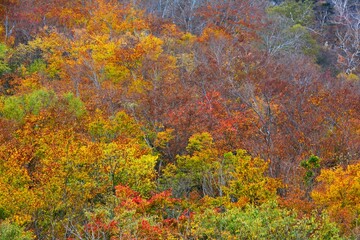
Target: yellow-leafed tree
[339, 193]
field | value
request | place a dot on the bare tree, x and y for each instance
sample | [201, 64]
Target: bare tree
[347, 32]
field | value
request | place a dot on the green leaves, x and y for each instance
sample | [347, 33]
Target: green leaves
[3, 65]
[291, 21]
[299, 12]
[267, 221]
[111, 109]
[16, 107]
[75, 105]
[12, 231]
[312, 166]
[38, 65]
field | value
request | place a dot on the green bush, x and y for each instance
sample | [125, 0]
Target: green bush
[75, 105]
[10, 231]
[38, 65]
[3, 65]
[16, 107]
[267, 221]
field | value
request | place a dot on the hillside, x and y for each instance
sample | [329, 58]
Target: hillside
[183, 119]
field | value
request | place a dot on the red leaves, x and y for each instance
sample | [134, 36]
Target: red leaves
[220, 77]
[132, 199]
[98, 227]
[149, 232]
[186, 215]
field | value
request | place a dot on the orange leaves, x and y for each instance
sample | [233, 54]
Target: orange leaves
[50, 166]
[210, 34]
[114, 18]
[170, 31]
[175, 106]
[66, 14]
[106, 55]
[150, 232]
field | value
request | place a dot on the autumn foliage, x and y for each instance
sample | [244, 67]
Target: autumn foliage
[179, 119]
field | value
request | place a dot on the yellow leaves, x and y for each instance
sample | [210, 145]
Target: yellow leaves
[70, 166]
[199, 142]
[54, 46]
[129, 167]
[138, 85]
[67, 14]
[21, 219]
[108, 53]
[132, 20]
[315, 100]
[58, 164]
[120, 126]
[124, 157]
[187, 61]
[99, 57]
[249, 180]
[113, 18]
[2, 33]
[16, 198]
[349, 77]
[187, 38]
[163, 138]
[151, 45]
[339, 191]
[99, 128]
[141, 173]
[117, 73]
[102, 49]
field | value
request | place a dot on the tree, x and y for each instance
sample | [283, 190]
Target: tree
[339, 193]
[347, 31]
[248, 179]
[236, 176]
[290, 25]
[312, 166]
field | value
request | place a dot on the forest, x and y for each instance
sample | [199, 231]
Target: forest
[179, 119]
